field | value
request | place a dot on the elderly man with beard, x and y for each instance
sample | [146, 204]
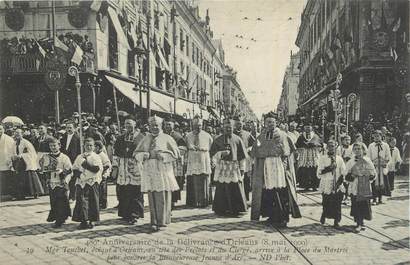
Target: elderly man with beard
[198, 165]
[179, 163]
[156, 152]
[130, 197]
[273, 184]
[70, 145]
[229, 155]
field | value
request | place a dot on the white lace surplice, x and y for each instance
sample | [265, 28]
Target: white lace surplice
[308, 157]
[199, 162]
[274, 173]
[63, 163]
[227, 171]
[328, 180]
[157, 175]
[88, 177]
[129, 171]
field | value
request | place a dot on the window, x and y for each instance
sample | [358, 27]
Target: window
[197, 56]
[327, 9]
[187, 47]
[182, 68]
[166, 25]
[112, 46]
[145, 6]
[193, 52]
[181, 40]
[131, 64]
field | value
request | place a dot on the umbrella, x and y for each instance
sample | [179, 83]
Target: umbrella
[13, 119]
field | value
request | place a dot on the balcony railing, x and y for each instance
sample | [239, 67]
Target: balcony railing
[28, 63]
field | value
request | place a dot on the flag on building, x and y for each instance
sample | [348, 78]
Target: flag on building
[59, 44]
[95, 5]
[396, 25]
[393, 54]
[77, 55]
[41, 50]
[338, 43]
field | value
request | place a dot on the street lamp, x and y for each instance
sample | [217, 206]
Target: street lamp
[350, 99]
[73, 71]
[141, 53]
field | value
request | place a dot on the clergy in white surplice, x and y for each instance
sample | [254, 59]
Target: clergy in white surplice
[229, 155]
[198, 165]
[156, 152]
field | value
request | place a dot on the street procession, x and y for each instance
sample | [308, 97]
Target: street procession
[203, 131]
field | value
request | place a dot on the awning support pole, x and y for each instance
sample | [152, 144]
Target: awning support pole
[114, 92]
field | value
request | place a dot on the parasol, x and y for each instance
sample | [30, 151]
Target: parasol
[13, 119]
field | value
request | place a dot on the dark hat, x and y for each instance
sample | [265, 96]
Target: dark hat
[271, 114]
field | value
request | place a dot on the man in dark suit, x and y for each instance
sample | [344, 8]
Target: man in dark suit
[70, 145]
[41, 144]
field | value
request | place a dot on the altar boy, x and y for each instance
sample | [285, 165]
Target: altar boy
[57, 167]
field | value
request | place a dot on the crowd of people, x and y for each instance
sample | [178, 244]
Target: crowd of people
[220, 165]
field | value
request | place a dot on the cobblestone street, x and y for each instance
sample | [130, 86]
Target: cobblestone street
[197, 236]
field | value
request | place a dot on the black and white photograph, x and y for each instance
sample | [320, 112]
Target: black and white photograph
[205, 132]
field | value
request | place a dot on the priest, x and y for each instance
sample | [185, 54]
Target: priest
[198, 165]
[156, 153]
[273, 189]
[169, 128]
[130, 197]
[229, 155]
[248, 141]
[308, 145]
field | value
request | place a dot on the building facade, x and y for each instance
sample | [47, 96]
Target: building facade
[235, 102]
[121, 49]
[359, 47]
[288, 102]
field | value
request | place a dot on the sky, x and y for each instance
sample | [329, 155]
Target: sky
[260, 64]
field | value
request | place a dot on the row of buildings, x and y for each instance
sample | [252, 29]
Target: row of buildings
[125, 51]
[359, 48]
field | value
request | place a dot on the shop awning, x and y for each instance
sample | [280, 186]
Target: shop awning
[185, 108]
[117, 25]
[318, 93]
[161, 102]
[163, 60]
[126, 88]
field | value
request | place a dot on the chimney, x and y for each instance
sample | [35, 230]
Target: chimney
[207, 19]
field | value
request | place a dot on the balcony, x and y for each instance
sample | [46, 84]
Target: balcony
[36, 64]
